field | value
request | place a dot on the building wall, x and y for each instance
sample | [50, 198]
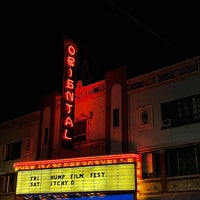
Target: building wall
[116, 132]
[147, 93]
[116, 99]
[89, 107]
[142, 138]
[24, 129]
[49, 125]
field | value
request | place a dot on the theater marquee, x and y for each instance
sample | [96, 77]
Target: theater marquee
[112, 173]
[77, 179]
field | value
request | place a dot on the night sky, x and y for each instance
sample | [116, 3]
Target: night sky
[143, 36]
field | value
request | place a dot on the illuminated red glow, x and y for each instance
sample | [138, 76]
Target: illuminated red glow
[69, 96]
[69, 84]
[75, 162]
[68, 108]
[69, 90]
[65, 135]
[71, 50]
[68, 122]
[70, 61]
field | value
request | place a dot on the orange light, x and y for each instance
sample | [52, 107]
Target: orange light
[139, 175]
[81, 161]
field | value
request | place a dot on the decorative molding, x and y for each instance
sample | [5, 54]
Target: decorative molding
[145, 117]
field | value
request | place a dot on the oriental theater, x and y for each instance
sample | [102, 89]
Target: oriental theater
[76, 162]
[120, 138]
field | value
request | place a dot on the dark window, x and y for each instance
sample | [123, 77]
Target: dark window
[180, 112]
[150, 165]
[46, 135]
[13, 150]
[116, 117]
[80, 131]
[183, 161]
[7, 183]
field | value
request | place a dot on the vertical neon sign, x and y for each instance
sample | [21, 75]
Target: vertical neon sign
[67, 120]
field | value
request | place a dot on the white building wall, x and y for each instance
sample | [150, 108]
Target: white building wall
[141, 138]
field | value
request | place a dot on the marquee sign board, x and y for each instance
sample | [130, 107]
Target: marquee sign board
[84, 174]
[115, 177]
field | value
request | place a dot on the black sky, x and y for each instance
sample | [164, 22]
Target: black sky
[143, 36]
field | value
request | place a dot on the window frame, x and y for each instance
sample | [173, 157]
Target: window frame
[82, 136]
[115, 117]
[187, 112]
[13, 151]
[8, 182]
[179, 163]
[154, 158]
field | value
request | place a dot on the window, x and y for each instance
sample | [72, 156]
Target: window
[150, 165]
[116, 117]
[183, 161]
[7, 183]
[80, 131]
[46, 135]
[181, 112]
[13, 150]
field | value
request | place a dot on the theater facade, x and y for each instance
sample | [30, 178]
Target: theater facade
[117, 138]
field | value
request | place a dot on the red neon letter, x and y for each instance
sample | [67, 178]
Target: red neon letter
[69, 84]
[69, 96]
[68, 122]
[65, 137]
[71, 50]
[69, 72]
[70, 61]
[68, 108]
